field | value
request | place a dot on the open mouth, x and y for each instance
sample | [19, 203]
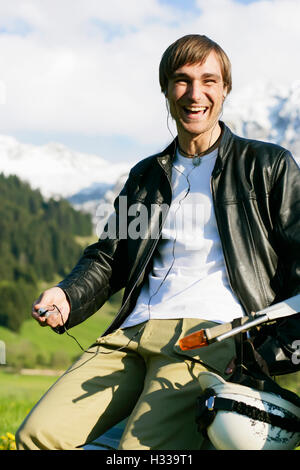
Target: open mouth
[195, 111]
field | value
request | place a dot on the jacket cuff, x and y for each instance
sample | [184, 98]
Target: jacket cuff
[79, 312]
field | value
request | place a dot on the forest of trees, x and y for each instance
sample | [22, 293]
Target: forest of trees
[37, 242]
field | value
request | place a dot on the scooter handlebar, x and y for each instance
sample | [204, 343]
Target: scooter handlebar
[219, 333]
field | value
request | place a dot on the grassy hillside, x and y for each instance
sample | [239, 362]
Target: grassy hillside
[39, 347]
[36, 347]
[39, 240]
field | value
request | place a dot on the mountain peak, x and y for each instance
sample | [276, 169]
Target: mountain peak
[54, 168]
[269, 112]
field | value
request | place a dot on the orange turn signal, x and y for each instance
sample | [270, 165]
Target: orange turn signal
[194, 341]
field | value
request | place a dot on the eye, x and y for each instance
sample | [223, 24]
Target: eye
[181, 80]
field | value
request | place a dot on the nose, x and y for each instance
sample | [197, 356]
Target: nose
[195, 90]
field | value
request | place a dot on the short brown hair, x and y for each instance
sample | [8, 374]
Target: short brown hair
[192, 49]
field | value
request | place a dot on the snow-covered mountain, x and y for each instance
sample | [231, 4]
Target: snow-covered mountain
[267, 112]
[58, 171]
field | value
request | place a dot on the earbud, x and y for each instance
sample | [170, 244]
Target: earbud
[167, 105]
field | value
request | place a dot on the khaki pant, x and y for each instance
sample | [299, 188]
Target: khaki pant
[150, 380]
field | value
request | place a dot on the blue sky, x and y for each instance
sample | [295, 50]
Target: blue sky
[89, 79]
[192, 4]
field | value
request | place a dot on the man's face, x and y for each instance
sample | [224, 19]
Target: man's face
[196, 95]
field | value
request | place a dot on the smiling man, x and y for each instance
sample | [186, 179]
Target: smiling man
[195, 92]
[227, 245]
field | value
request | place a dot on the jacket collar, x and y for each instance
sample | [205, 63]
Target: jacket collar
[166, 157]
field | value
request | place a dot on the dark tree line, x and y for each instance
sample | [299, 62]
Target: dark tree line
[37, 242]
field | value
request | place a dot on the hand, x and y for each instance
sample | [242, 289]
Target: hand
[49, 298]
[231, 366]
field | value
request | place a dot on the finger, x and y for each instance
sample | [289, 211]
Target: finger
[42, 320]
[41, 312]
[231, 366]
[48, 319]
[34, 312]
[35, 307]
[54, 320]
[54, 317]
[45, 305]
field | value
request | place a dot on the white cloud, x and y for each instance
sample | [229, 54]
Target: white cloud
[91, 66]
[262, 38]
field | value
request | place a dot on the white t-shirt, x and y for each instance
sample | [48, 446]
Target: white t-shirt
[188, 278]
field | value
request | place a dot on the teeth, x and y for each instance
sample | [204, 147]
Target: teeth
[196, 110]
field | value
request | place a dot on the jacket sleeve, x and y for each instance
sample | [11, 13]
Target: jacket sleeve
[285, 203]
[281, 339]
[100, 272]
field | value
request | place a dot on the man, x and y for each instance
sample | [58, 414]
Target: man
[226, 246]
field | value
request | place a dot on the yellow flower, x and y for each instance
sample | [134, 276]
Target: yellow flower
[8, 442]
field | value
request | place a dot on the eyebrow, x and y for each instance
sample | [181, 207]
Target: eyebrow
[212, 75]
[205, 75]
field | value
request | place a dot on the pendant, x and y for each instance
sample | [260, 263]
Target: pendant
[196, 160]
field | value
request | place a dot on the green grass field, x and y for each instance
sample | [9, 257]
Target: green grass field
[18, 394]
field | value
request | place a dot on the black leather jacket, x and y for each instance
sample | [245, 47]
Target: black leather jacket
[256, 193]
